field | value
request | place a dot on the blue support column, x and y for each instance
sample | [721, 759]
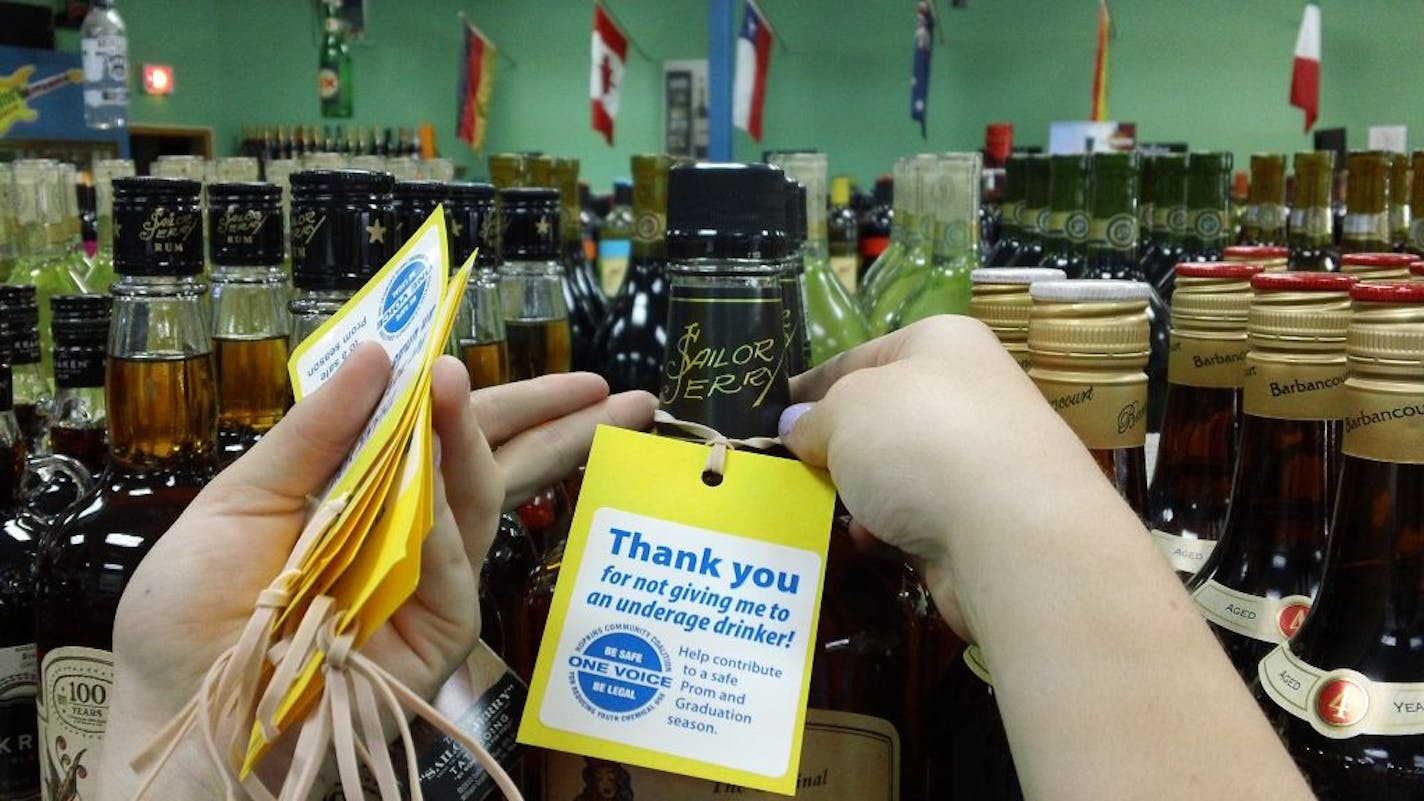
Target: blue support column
[721, 62]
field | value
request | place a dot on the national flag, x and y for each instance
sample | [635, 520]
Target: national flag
[476, 84]
[1305, 72]
[1100, 64]
[605, 78]
[753, 57]
[920, 73]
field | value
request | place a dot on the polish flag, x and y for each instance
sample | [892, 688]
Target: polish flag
[753, 56]
[605, 80]
[1305, 73]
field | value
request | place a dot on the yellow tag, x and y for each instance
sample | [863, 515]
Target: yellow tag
[684, 620]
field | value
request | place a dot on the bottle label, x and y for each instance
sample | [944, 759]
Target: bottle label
[843, 756]
[872, 246]
[1384, 422]
[26, 347]
[1214, 363]
[1009, 212]
[1207, 225]
[845, 269]
[1366, 227]
[1273, 620]
[1177, 220]
[1057, 223]
[19, 680]
[248, 230]
[1118, 231]
[1296, 389]
[1341, 703]
[305, 225]
[1075, 227]
[1399, 221]
[1102, 415]
[328, 83]
[105, 60]
[613, 263]
[73, 713]
[1185, 554]
[974, 660]
[77, 367]
[649, 227]
[1315, 224]
[1268, 217]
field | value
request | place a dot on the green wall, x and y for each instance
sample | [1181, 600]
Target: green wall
[1213, 73]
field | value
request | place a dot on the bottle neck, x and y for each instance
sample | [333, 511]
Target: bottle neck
[1208, 216]
[1113, 235]
[249, 301]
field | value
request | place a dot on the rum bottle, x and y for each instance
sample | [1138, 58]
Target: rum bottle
[1001, 301]
[1033, 218]
[876, 224]
[531, 278]
[793, 282]
[78, 422]
[1366, 226]
[1400, 178]
[1258, 584]
[1264, 219]
[1065, 236]
[1346, 687]
[1311, 233]
[162, 450]
[251, 327]
[586, 303]
[1010, 211]
[479, 325]
[1191, 482]
[412, 202]
[33, 398]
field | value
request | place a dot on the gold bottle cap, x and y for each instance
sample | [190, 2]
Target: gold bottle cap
[1387, 328]
[1299, 311]
[1377, 266]
[1096, 324]
[1272, 258]
[1000, 300]
[1384, 412]
[1209, 312]
[539, 171]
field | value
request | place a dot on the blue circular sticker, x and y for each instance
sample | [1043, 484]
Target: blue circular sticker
[619, 672]
[403, 295]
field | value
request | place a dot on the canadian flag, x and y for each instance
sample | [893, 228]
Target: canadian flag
[605, 79]
[1305, 72]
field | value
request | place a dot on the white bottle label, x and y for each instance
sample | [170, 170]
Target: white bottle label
[1342, 703]
[1273, 620]
[1186, 554]
[73, 713]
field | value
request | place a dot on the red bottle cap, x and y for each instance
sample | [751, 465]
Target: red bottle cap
[1376, 260]
[1416, 268]
[1217, 269]
[1303, 282]
[1254, 252]
[1388, 292]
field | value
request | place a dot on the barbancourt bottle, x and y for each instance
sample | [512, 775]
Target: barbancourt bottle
[1257, 586]
[162, 450]
[1001, 301]
[1377, 266]
[1191, 483]
[1348, 688]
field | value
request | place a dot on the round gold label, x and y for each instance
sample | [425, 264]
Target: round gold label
[1206, 362]
[1294, 387]
[1384, 421]
[1103, 415]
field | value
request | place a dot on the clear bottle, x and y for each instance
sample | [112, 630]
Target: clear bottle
[1001, 301]
[1257, 586]
[1065, 236]
[1010, 210]
[104, 52]
[954, 190]
[44, 263]
[162, 449]
[79, 422]
[251, 328]
[342, 234]
[479, 336]
[1400, 179]
[1191, 481]
[906, 275]
[531, 277]
[1264, 219]
[1033, 219]
[1312, 224]
[101, 273]
[1366, 225]
[33, 395]
[1345, 689]
[903, 236]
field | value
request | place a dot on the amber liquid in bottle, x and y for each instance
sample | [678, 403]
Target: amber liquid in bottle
[89, 445]
[253, 391]
[537, 347]
[487, 363]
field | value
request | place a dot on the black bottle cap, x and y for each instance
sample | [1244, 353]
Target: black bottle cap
[529, 219]
[727, 211]
[414, 202]
[22, 321]
[795, 214]
[245, 223]
[343, 227]
[157, 227]
[471, 217]
[81, 333]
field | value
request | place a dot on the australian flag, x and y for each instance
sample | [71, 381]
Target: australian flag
[920, 76]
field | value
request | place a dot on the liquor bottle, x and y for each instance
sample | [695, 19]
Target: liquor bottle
[615, 240]
[875, 226]
[1257, 585]
[1191, 481]
[77, 424]
[1415, 241]
[1033, 219]
[412, 202]
[43, 262]
[588, 224]
[508, 170]
[1270, 258]
[1065, 236]
[1001, 301]
[1208, 211]
[904, 237]
[1366, 227]
[833, 322]
[1146, 201]
[251, 327]
[1264, 220]
[104, 52]
[33, 399]
[1010, 213]
[583, 297]
[1311, 231]
[843, 234]
[479, 325]
[162, 450]
[70, 231]
[793, 282]
[887, 292]
[334, 81]
[954, 192]
[1344, 690]
[101, 272]
[1169, 218]
[1400, 180]
[634, 335]
[536, 321]
[1377, 266]
[342, 233]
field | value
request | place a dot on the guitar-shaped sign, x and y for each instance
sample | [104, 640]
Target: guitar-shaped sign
[16, 89]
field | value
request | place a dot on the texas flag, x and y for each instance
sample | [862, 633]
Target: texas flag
[753, 56]
[605, 80]
[1305, 71]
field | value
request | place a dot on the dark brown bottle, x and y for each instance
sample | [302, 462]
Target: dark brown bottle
[1346, 689]
[1191, 483]
[586, 302]
[33, 397]
[1257, 585]
[1264, 219]
[162, 449]
[1366, 225]
[1312, 224]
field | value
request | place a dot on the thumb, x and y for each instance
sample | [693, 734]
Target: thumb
[805, 430]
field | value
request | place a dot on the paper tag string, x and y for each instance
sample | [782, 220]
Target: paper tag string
[717, 458]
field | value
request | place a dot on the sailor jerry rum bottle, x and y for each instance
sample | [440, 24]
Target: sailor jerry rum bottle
[793, 281]
[1311, 223]
[479, 325]
[1366, 227]
[342, 233]
[536, 321]
[1264, 221]
[1000, 300]
[162, 449]
[1347, 687]
[1256, 587]
[1191, 484]
[412, 202]
[250, 322]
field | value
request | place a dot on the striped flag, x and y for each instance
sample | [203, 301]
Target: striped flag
[609, 55]
[753, 57]
[476, 84]
[1100, 64]
[1305, 71]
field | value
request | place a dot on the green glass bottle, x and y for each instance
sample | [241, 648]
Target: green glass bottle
[1208, 211]
[1366, 227]
[954, 190]
[1010, 209]
[903, 230]
[1311, 233]
[1169, 217]
[1034, 216]
[1065, 237]
[44, 262]
[1264, 221]
[334, 82]
[909, 273]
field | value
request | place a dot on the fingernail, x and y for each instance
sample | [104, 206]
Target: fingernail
[435, 446]
[790, 415]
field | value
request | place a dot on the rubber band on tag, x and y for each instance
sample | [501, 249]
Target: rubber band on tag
[716, 465]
